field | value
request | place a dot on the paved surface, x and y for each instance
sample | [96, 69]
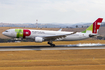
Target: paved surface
[39, 48]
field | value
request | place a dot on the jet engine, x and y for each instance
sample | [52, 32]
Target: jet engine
[39, 39]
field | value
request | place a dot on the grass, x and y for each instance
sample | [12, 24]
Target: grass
[53, 60]
[56, 43]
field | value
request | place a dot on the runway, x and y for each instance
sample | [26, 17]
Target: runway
[40, 48]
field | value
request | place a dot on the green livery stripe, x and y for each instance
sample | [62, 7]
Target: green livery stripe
[84, 31]
[19, 33]
[18, 30]
[90, 28]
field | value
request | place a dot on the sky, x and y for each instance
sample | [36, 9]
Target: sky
[51, 11]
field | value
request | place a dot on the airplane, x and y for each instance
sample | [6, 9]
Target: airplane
[50, 36]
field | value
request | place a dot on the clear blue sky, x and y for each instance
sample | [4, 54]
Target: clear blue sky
[49, 11]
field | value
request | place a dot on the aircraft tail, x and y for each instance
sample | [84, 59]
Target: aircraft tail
[94, 27]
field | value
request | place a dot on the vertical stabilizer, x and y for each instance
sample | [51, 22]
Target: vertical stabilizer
[94, 27]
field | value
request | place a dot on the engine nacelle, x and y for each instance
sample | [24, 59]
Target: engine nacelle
[39, 39]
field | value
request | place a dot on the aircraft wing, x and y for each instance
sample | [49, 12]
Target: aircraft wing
[54, 37]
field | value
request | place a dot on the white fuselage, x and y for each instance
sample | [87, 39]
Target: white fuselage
[77, 36]
[43, 33]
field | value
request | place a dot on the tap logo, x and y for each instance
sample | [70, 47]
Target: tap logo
[26, 32]
[22, 33]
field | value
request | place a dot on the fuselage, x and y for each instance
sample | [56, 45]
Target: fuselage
[28, 33]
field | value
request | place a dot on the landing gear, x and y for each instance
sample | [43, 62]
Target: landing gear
[52, 45]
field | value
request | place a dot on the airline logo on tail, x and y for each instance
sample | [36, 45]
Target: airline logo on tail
[94, 27]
